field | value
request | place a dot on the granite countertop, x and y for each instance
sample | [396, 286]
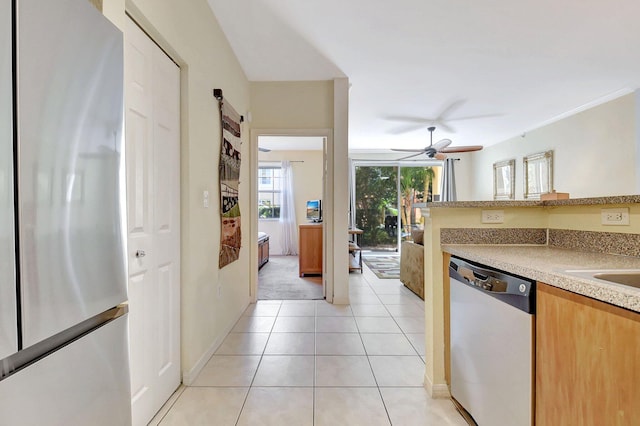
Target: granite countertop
[618, 199]
[548, 264]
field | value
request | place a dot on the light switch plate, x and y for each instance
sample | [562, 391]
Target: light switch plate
[492, 216]
[205, 199]
[615, 217]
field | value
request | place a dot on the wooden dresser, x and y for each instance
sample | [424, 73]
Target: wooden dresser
[310, 250]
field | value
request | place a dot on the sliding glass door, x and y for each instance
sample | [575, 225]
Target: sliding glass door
[416, 188]
[389, 197]
[377, 206]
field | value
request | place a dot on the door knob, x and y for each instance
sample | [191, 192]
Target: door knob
[140, 253]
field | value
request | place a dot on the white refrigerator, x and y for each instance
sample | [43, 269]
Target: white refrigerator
[63, 321]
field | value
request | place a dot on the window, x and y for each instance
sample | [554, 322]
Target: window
[269, 192]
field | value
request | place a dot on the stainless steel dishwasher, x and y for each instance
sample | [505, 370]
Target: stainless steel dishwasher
[492, 344]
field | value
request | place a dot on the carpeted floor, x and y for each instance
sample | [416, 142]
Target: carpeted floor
[278, 280]
[385, 267]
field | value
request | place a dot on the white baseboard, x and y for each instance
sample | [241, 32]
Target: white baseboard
[189, 376]
[436, 391]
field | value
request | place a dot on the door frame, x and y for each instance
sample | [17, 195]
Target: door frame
[393, 163]
[327, 261]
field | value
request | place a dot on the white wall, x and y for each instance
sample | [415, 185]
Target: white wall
[464, 175]
[189, 32]
[594, 153]
[307, 182]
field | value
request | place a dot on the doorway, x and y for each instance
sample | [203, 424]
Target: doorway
[290, 172]
[388, 198]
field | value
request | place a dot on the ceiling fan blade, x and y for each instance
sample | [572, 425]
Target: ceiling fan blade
[441, 144]
[449, 109]
[263, 149]
[446, 127]
[473, 117]
[410, 156]
[407, 150]
[407, 128]
[410, 119]
[468, 148]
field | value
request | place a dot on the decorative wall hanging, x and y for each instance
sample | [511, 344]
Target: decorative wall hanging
[231, 234]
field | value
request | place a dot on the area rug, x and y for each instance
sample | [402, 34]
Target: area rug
[385, 267]
[278, 279]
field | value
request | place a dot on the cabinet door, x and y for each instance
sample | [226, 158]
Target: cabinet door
[587, 361]
[310, 256]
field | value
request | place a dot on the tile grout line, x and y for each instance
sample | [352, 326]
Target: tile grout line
[384, 404]
[396, 322]
[246, 397]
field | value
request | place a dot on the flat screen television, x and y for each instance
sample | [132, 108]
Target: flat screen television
[314, 211]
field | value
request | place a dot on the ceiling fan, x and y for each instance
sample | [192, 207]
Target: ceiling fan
[442, 120]
[438, 150]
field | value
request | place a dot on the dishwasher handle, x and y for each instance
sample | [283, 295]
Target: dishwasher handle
[487, 283]
[493, 282]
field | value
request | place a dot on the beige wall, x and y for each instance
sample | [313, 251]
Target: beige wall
[292, 105]
[595, 153]
[305, 107]
[189, 32]
[589, 218]
[307, 182]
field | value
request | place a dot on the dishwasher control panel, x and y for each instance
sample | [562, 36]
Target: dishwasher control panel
[512, 289]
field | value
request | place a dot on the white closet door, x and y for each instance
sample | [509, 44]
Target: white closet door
[152, 83]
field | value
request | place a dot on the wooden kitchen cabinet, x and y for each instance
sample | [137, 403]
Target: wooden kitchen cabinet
[310, 250]
[587, 361]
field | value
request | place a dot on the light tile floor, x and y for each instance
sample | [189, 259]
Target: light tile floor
[312, 363]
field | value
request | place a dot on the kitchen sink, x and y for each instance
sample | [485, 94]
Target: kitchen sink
[626, 278]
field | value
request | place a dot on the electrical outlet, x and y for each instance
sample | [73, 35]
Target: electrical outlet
[615, 216]
[492, 216]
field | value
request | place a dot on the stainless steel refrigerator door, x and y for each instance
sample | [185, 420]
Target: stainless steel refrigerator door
[8, 316]
[70, 123]
[84, 383]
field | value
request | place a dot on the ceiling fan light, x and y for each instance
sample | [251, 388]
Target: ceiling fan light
[440, 156]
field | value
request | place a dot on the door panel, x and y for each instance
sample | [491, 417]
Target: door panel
[376, 207]
[8, 318]
[166, 216]
[153, 155]
[70, 130]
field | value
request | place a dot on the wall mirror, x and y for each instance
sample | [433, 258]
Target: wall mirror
[504, 175]
[538, 174]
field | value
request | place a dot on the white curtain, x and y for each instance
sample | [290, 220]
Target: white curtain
[352, 194]
[288, 225]
[448, 190]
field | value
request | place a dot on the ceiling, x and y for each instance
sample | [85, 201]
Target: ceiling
[513, 65]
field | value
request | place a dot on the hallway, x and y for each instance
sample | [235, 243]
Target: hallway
[306, 362]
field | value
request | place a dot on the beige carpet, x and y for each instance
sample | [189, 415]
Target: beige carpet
[278, 280]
